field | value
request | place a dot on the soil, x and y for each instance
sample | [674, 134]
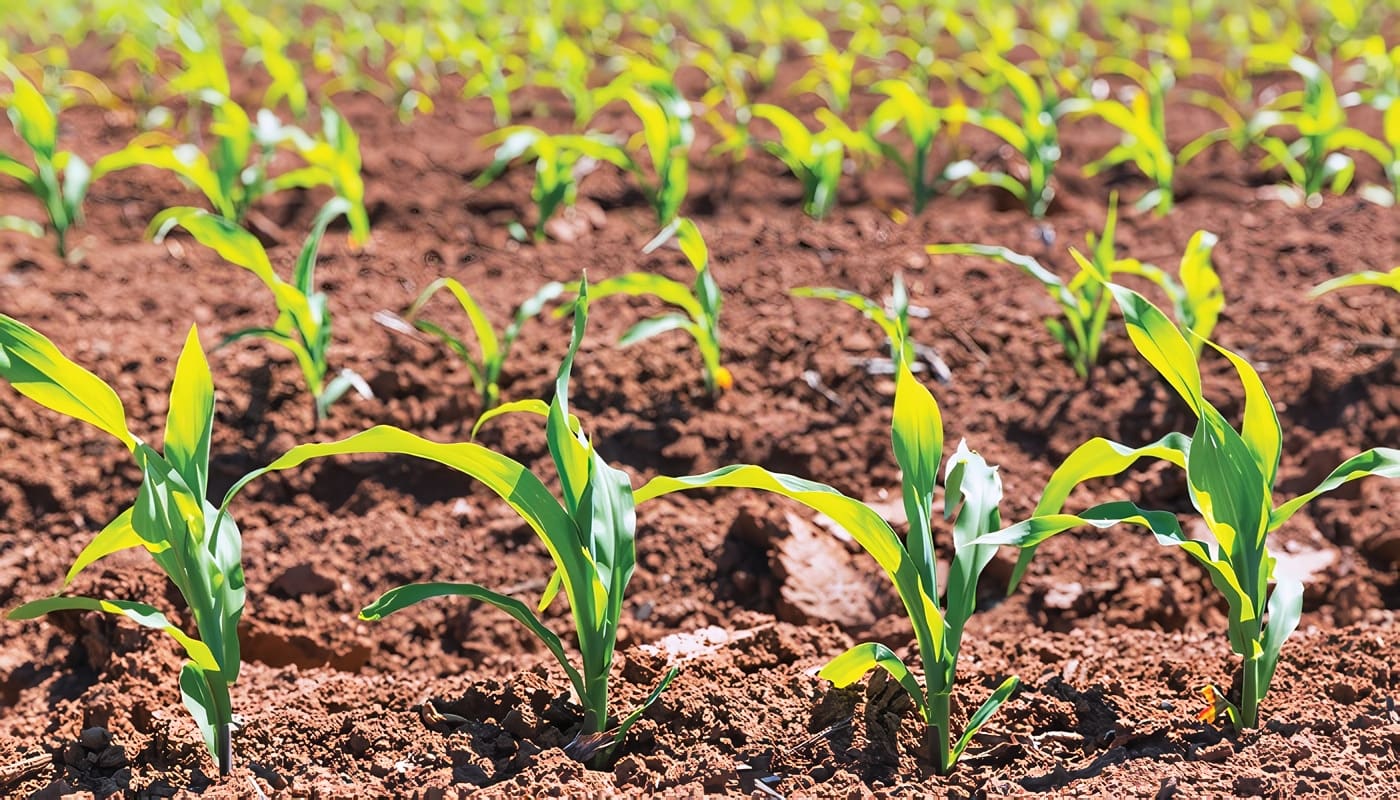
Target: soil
[1111, 635]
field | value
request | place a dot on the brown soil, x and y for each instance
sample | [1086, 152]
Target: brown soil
[1111, 635]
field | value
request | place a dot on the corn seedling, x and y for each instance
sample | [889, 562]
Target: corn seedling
[1141, 117]
[332, 160]
[491, 74]
[1389, 280]
[560, 162]
[920, 122]
[834, 72]
[815, 158]
[972, 493]
[700, 302]
[485, 368]
[1314, 161]
[591, 537]
[1083, 303]
[1035, 135]
[667, 133]
[303, 323]
[199, 550]
[1231, 476]
[235, 173]
[59, 179]
[1196, 295]
[893, 319]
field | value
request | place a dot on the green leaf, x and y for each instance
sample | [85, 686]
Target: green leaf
[1096, 458]
[636, 714]
[186, 161]
[507, 478]
[872, 310]
[852, 665]
[1162, 344]
[190, 421]
[980, 717]
[1381, 461]
[9, 222]
[638, 284]
[140, 613]
[917, 433]
[32, 117]
[653, 326]
[973, 496]
[571, 452]
[405, 596]
[194, 691]
[304, 276]
[117, 536]
[37, 370]
[1389, 279]
[864, 525]
[1285, 609]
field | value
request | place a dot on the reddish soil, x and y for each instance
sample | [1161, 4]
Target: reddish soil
[1110, 634]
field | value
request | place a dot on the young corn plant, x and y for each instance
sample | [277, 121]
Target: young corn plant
[893, 319]
[560, 161]
[590, 536]
[920, 122]
[1315, 160]
[667, 133]
[303, 323]
[1035, 135]
[1142, 119]
[1083, 301]
[199, 550]
[59, 178]
[700, 302]
[972, 493]
[1231, 476]
[486, 367]
[236, 172]
[815, 158]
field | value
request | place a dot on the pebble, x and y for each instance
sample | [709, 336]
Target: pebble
[95, 738]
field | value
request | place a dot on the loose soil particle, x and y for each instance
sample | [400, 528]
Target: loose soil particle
[1111, 635]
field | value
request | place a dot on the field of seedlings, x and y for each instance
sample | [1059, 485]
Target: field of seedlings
[781, 398]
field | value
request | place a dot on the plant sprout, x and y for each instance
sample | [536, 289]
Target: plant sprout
[199, 551]
[590, 535]
[700, 302]
[1231, 476]
[494, 350]
[59, 178]
[303, 323]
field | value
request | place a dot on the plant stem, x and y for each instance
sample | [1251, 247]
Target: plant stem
[939, 731]
[225, 743]
[1249, 699]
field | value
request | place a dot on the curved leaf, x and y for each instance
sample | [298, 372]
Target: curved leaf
[852, 665]
[37, 370]
[980, 717]
[140, 613]
[405, 596]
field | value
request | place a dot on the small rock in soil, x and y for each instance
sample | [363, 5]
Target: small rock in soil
[95, 738]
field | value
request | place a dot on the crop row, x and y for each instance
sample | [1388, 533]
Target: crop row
[589, 530]
[1288, 85]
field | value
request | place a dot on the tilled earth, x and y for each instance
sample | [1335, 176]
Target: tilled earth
[1111, 635]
